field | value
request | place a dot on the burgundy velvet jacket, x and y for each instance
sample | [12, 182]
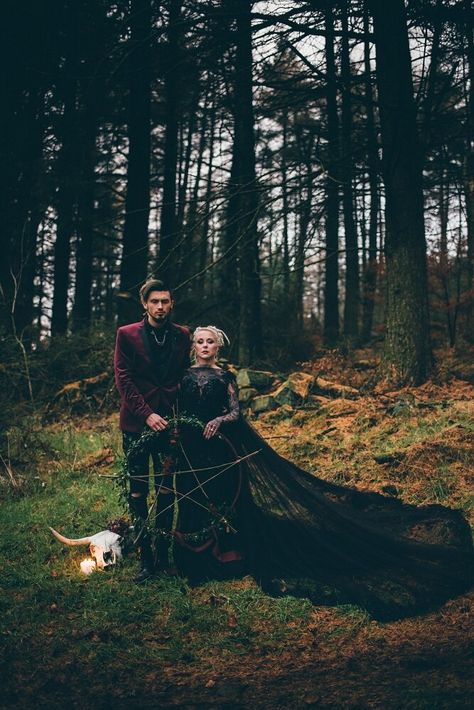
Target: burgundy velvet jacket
[142, 389]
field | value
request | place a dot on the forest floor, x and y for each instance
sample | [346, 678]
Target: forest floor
[101, 641]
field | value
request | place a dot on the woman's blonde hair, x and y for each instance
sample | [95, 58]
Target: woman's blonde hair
[220, 336]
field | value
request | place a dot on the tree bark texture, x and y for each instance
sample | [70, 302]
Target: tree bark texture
[91, 90]
[407, 352]
[203, 231]
[67, 168]
[134, 263]
[469, 181]
[305, 199]
[168, 223]
[331, 288]
[370, 267]
[352, 295]
[285, 202]
[245, 190]
[82, 308]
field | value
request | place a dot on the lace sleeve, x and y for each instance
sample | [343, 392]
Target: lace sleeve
[234, 409]
[232, 405]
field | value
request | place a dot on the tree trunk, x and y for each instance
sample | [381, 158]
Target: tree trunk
[184, 261]
[444, 265]
[370, 270]
[134, 264]
[204, 231]
[469, 192]
[407, 351]
[168, 223]
[305, 196]
[66, 178]
[284, 189]
[41, 288]
[469, 182]
[431, 79]
[230, 243]
[92, 90]
[331, 289]
[352, 296]
[243, 169]
[184, 181]
[29, 211]
[81, 313]
[22, 123]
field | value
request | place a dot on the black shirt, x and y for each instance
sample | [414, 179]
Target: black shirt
[160, 342]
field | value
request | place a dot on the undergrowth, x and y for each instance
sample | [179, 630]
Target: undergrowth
[423, 454]
[102, 639]
[52, 616]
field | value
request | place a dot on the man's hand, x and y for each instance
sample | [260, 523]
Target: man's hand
[156, 423]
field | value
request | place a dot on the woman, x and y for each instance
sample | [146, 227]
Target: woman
[242, 506]
[208, 494]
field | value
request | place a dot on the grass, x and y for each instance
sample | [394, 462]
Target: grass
[52, 616]
[74, 641]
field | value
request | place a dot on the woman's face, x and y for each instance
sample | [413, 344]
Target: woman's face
[205, 345]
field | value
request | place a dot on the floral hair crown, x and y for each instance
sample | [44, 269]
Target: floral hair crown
[219, 334]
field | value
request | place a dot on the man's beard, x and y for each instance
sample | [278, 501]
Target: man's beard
[160, 321]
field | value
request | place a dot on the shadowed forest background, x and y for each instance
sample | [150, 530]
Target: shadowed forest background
[302, 174]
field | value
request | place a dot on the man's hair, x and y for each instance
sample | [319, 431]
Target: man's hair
[153, 285]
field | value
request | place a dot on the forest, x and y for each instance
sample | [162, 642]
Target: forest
[305, 163]
[301, 174]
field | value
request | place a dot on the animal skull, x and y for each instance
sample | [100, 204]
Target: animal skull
[104, 546]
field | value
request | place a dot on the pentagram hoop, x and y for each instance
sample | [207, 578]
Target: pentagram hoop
[206, 480]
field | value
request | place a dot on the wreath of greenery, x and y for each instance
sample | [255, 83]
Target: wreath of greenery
[220, 516]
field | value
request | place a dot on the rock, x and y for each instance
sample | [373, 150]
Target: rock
[335, 389]
[258, 379]
[286, 395]
[246, 394]
[85, 394]
[301, 383]
[295, 389]
[263, 403]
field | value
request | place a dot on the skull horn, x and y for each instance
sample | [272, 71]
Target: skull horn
[69, 541]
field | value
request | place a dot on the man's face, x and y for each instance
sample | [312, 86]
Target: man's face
[158, 306]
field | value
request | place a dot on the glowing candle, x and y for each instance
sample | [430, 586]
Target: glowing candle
[87, 566]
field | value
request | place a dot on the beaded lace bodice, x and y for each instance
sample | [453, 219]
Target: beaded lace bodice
[209, 393]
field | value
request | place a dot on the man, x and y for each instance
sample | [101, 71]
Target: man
[150, 357]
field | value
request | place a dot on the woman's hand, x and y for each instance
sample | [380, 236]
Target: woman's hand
[211, 428]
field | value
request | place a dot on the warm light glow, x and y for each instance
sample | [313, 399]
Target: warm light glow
[88, 566]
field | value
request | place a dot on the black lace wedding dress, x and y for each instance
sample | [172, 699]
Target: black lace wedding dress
[297, 534]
